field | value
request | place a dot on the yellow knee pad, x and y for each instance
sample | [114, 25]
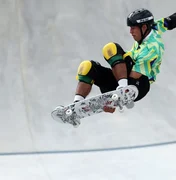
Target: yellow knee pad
[111, 54]
[109, 50]
[83, 71]
[84, 67]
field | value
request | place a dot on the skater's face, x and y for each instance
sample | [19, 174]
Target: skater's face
[136, 32]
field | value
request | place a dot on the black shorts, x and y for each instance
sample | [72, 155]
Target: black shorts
[105, 80]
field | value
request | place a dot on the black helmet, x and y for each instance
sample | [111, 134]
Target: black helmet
[140, 17]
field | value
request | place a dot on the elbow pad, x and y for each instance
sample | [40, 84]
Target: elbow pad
[170, 22]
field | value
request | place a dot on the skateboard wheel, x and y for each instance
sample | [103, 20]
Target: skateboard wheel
[115, 97]
[121, 109]
[69, 112]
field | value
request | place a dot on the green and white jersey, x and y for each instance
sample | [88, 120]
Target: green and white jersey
[148, 55]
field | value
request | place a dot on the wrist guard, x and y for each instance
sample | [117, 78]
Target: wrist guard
[170, 22]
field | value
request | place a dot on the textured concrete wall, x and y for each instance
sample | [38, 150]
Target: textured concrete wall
[42, 43]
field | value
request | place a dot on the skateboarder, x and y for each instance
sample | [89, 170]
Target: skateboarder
[138, 67]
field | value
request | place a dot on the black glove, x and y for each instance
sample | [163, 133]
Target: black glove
[170, 22]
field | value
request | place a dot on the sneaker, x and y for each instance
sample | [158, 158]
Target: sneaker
[129, 94]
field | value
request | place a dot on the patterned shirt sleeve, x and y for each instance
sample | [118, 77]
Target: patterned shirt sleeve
[160, 25]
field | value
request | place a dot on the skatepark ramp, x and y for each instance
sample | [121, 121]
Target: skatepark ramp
[42, 45]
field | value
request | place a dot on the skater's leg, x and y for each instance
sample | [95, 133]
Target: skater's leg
[91, 72]
[113, 54]
[82, 91]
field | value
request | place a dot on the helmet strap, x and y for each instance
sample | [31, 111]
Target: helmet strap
[143, 34]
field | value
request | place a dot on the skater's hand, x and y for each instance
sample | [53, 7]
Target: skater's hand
[109, 109]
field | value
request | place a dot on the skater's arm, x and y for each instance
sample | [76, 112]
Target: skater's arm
[164, 24]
